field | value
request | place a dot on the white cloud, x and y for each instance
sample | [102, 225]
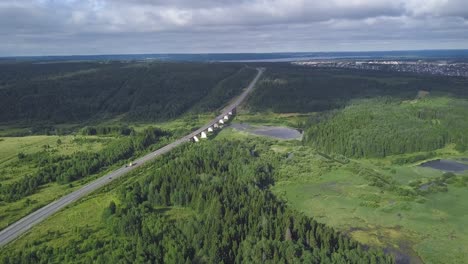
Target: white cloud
[275, 24]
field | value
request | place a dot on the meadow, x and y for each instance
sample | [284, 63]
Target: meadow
[428, 228]
[13, 169]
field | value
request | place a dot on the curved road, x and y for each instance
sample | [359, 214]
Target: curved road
[15, 230]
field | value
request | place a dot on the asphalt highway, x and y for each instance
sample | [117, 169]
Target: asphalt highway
[16, 229]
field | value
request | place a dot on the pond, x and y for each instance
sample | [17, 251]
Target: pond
[269, 131]
[445, 165]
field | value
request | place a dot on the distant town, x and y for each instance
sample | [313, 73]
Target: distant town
[423, 67]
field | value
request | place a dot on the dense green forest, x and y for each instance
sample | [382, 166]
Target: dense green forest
[226, 90]
[142, 91]
[232, 217]
[286, 88]
[382, 127]
[69, 168]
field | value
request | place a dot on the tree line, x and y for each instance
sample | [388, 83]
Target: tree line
[226, 90]
[107, 130]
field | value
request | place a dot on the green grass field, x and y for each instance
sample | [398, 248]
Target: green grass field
[12, 169]
[434, 230]
[10, 147]
[180, 126]
[273, 119]
[429, 228]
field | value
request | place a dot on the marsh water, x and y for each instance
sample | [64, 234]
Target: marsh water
[269, 131]
[445, 165]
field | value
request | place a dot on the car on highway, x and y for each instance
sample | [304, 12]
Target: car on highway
[131, 164]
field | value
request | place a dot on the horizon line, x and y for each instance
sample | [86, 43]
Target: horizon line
[225, 53]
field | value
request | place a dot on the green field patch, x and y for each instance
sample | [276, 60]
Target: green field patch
[10, 147]
[413, 229]
[12, 168]
[180, 126]
[295, 120]
[229, 133]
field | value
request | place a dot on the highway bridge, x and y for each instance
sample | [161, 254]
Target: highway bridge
[16, 229]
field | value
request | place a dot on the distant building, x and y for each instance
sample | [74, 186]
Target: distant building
[195, 138]
[226, 117]
[216, 126]
[203, 134]
[221, 121]
[210, 129]
[230, 113]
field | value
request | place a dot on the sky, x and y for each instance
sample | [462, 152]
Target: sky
[78, 27]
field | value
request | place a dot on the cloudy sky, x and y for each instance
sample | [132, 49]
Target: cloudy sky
[60, 27]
